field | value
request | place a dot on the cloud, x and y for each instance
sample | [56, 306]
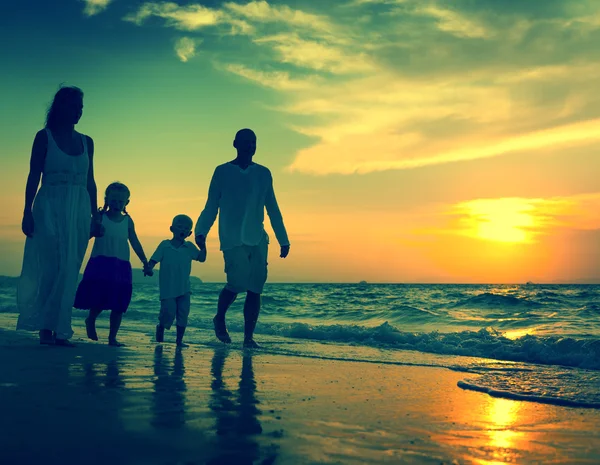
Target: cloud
[399, 84]
[316, 55]
[305, 39]
[186, 48]
[280, 80]
[453, 22]
[93, 7]
[261, 11]
[187, 18]
[397, 121]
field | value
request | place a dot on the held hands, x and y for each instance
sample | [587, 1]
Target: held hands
[285, 250]
[96, 227]
[27, 224]
[201, 242]
[148, 270]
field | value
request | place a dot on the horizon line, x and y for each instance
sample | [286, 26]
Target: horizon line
[403, 283]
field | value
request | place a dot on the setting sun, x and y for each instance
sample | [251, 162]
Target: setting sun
[500, 220]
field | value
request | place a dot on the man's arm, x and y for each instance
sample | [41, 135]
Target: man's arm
[276, 219]
[209, 214]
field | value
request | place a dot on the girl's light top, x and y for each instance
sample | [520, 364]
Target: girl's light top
[115, 242]
[240, 198]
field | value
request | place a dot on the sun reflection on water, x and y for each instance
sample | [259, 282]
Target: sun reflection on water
[503, 439]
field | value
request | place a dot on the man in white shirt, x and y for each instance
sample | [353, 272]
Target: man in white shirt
[239, 192]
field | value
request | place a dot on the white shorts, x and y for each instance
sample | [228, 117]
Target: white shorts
[177, 307]
[246, 267]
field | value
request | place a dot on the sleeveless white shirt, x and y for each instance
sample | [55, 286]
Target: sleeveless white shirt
[115, 242]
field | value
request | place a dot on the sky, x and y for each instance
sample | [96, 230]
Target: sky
[431, 141]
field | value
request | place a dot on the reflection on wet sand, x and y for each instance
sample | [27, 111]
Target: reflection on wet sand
[168, 406]
[504, 441]
[95, 405]
[236, 417]
[111, 379]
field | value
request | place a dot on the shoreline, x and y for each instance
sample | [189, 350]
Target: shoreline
[150, 403]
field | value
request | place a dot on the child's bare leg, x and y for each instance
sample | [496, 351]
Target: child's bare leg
[90, 324]
[115, 324]
[180, 333]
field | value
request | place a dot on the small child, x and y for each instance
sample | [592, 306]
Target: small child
[175, 257]
[107, 280]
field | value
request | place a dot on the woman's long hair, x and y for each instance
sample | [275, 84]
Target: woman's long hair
[65, 94]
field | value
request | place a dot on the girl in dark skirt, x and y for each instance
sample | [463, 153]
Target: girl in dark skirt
[106, 283]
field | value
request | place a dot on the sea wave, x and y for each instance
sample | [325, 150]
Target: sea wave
[591, 309]
[489, 300]
[557, 386]
[486, 343]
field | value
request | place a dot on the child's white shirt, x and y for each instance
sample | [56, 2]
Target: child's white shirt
[175, 267]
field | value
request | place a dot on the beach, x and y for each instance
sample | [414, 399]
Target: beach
[150, 403]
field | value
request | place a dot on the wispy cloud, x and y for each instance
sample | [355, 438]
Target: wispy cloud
[93, 7]
[316, 54]
[453, 22]
[398, 84]
[186, 48]
[261, 11]
[188, 18]
[280, 80]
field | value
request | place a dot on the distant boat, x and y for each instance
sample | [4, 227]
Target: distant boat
[529, 283]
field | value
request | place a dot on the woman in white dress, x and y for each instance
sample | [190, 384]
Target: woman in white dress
[58, 223]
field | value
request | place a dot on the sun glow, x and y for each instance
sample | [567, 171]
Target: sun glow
[509, 220]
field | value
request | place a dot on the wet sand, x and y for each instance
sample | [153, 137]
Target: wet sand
[150, 403]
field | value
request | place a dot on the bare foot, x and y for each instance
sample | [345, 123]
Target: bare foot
[115, 343]
[90, 329]
[182, 345]
[250, 344]
[221, 330]
[64, 343]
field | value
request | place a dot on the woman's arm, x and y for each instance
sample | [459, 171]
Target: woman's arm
[36, 167]
[91, 181]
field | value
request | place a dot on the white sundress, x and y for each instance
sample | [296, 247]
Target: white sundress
[53, 256]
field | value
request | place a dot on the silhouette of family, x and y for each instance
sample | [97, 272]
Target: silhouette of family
[61, 215]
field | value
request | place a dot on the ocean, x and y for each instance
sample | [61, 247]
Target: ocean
[539, 343]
